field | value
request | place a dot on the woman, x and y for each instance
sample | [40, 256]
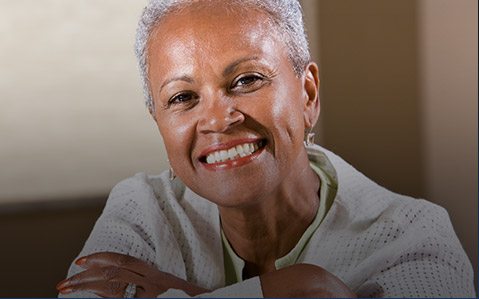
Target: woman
[252, 210]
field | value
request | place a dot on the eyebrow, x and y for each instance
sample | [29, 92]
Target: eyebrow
[232, 66]
[228, 70]
[178, 78]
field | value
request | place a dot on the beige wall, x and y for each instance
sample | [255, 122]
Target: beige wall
[399, 97]
[448, 77]
[369, 89]
[72, 121]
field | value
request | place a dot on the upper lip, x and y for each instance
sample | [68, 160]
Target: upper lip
[227, 145]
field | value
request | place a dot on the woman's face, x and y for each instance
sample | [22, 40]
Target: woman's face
[228, 104]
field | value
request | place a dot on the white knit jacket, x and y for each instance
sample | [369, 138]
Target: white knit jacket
[379, 243]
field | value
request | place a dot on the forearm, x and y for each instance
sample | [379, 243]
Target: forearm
[250, 288]
[303, 280]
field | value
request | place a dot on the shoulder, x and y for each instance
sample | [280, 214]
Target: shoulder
[364, 199]
[137, 205]
[378, 235]
[144, 193]
[362, 203]
[178, 225]
[156, 202]
[144, 210]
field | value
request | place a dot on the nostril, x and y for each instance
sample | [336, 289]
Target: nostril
[221, 120]
[236, 117]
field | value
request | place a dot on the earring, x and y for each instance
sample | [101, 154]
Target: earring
[171, 172]
[309, 138]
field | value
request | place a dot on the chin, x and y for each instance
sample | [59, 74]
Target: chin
[233, 195]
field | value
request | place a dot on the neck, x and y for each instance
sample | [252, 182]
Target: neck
[263, 232]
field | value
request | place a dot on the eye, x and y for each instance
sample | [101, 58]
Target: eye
[248, 83]
[187, 98]
[247, 80]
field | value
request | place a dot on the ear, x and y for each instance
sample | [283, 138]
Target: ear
[311, 95]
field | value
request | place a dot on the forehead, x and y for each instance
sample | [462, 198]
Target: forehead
[214, 31]
[207, 15]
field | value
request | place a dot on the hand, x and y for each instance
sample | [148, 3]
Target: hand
[304, 280]
[107, 274]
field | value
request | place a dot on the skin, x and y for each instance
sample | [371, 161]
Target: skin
[215, 88]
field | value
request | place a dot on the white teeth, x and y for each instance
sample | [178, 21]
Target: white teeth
[224, 155]
[232, 153]
[239, 149]
[210, 159]
[246, 149]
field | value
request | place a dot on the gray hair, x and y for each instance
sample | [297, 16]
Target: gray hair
[286, 15]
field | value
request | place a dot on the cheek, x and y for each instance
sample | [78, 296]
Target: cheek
[177, 136]
[287, 116]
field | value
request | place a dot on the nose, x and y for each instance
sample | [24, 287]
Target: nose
[219, 116]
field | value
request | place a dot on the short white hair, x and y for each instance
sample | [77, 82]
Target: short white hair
[286, 15]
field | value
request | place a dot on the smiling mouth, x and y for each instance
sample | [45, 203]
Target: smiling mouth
[233, 153]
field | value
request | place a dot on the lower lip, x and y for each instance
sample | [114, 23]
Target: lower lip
[233, 163]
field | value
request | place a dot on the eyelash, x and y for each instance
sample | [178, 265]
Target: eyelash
[176, 99]
[255, 77]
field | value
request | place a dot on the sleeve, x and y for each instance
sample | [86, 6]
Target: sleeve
[432, 262]
[133, 224]
[250, 288]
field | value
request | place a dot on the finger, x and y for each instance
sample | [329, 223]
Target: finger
[102, 274]
[82, 277]
[101, 288]
[102, 259]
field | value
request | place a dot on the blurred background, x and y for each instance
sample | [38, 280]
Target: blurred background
[398, 100]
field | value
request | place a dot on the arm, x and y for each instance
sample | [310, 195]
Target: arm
[425, 259]
[132, 224]
[304, 280]
[107, 274]
[428, 269]
[300, 280]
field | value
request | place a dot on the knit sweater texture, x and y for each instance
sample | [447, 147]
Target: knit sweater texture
[379, 243]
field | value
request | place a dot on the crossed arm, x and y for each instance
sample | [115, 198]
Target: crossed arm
[107, 274]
